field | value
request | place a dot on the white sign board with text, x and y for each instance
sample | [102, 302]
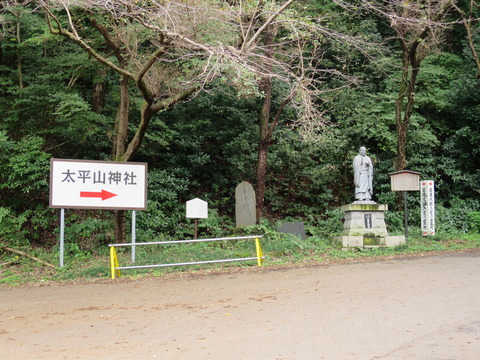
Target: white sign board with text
[427, 200]
[98, 184]
[197, 209]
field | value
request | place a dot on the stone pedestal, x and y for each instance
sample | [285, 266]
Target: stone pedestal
[365, 220]
[365, 226]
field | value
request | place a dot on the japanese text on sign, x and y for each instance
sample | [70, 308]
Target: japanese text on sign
[99, 177]
[427, 199]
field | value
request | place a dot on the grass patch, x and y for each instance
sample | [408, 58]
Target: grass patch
[280, 250]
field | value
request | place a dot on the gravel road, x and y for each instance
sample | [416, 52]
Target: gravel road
[406, 308]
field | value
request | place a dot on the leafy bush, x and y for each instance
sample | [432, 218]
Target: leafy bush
[330, 224]
[474, 221]
[166, 210]
[456, 219]
[87, 232]
[24, 169]
[11, 231]
[395, 221]
[215, 225]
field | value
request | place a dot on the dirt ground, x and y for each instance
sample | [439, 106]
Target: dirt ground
[410, 308]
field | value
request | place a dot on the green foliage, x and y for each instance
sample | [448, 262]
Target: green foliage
[11, 228]
[455, 218]
[205, 147]
[85, 232]
[24, 169]
[215, 226]
[165, 208]
[273, 242]
[434, 82]
[300, 175]
[214, 138]
[326, 226]
[395, 221]
[474, 221]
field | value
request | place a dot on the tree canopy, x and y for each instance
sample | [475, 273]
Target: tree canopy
[184, 86]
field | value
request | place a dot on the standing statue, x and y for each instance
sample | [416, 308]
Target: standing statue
[363, 176]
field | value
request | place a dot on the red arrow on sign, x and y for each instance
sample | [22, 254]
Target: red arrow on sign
[101, 194]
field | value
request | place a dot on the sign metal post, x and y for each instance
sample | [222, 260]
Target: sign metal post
[134, 220]
[62, 235]
[405, 212]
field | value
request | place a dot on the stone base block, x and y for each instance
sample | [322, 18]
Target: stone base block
[364, 207]
[365, 220]
[392, 241]
[360, 241]
[350, 241]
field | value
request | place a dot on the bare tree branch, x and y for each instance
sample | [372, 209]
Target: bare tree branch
[262, 28]
[75, 38]
[468, 20]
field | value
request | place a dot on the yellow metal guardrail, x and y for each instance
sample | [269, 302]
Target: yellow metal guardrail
[115, 268]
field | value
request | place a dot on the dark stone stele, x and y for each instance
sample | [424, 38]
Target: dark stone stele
[368, 221]
[294, 228]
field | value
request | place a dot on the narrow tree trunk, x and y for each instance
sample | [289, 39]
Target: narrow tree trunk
[98, 95]
[121, 121]
[120, 226]
[266, 129]
[403, 112]
[401, 160]
[261, 177]
[19, 57]
[263, 144]
[145, 117]
[467, 23]
[118, 150]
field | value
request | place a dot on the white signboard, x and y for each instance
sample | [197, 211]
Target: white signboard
[427, 199]
[197, 209]
[98, 184]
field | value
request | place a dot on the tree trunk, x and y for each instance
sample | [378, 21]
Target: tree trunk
[401, 159]
[98, 95]
[403, 112]
[467, 23]
[120, 226]
[266, 129]
[19, 57]
[263, 144]
[118, 150]
[121, 121]
[145, 117]
[261, 175]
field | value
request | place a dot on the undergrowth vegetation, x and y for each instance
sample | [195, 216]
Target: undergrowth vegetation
[58, 102]
[280, 250]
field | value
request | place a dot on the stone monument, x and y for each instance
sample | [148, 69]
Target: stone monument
[245, 212]
[294, 228]
[365, 219]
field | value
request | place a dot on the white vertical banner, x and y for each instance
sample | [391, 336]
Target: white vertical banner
[427, 199]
